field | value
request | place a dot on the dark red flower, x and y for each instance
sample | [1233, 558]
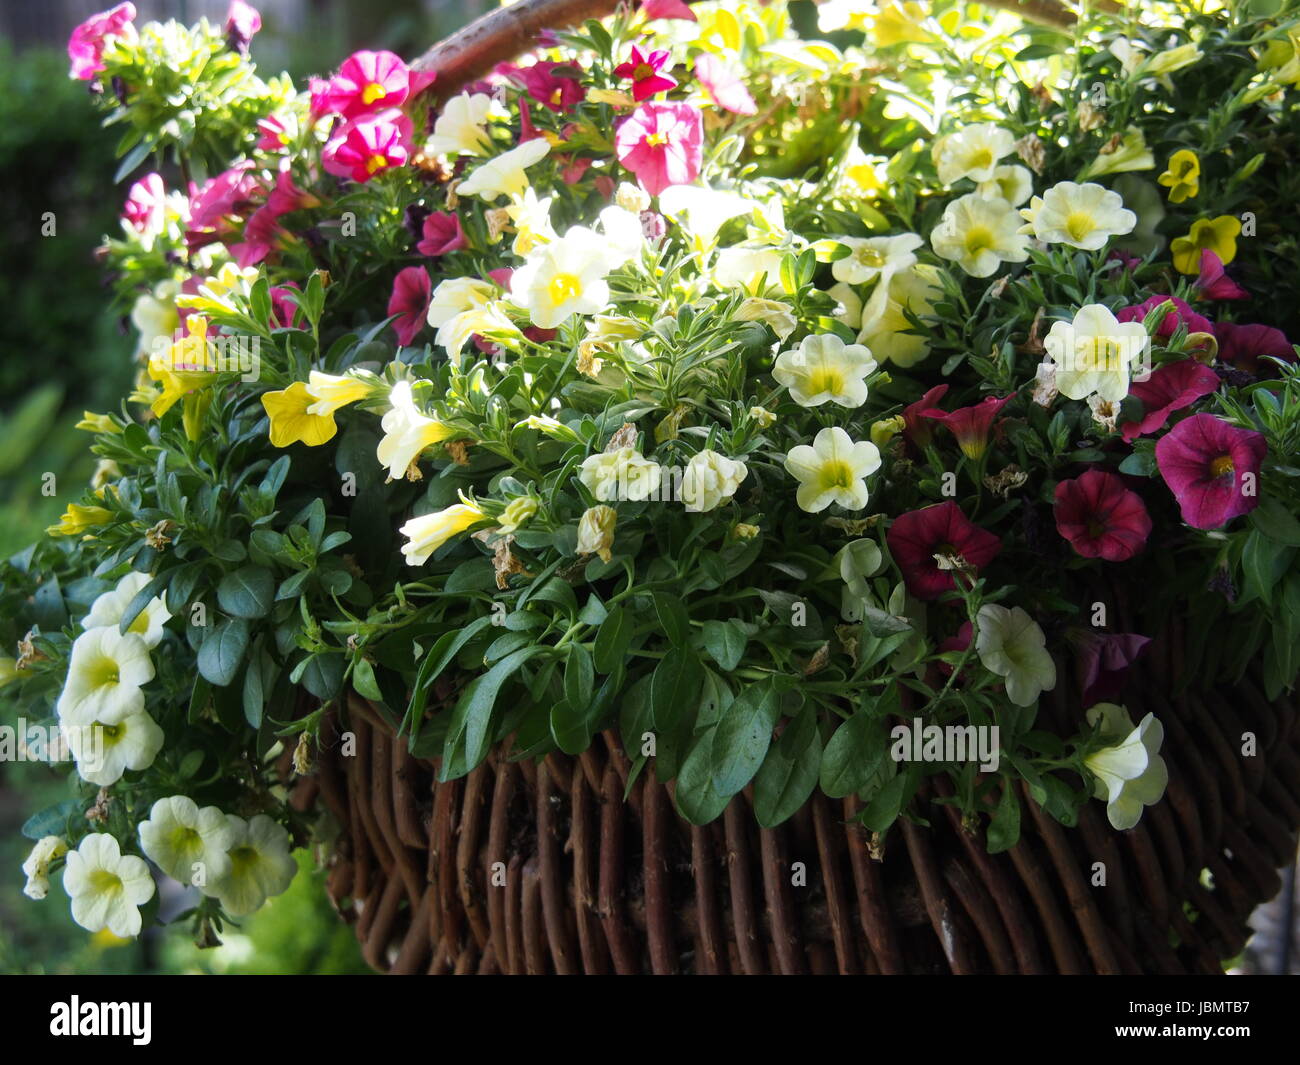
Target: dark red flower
[1212, 468]
[929, 543]
[1171, 387]
[1245, 345]
[441, 234]
[916, 427]
[553, 85]
[970, 425]
[1181, 314]
[1104, 660]
[1214, 283]
[1100, 517]
[412, 291]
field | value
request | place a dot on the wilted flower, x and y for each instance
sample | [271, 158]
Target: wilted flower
[710, 480]
[596, 531]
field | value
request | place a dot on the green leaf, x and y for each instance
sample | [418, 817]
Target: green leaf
[725, 641]
[52, 821]
[222, 651]
[696, 797]
[674, 684]
[579, 676]
[853, 756]
[790, 771]
[431, 666]
[612, 640]
[142, 599]
[323, 675]
[883, 810]
[743, 736]
[469, 726]
[248, 592]
[672, 616]
[363, 681]
[1273, 520]
[1004, 827]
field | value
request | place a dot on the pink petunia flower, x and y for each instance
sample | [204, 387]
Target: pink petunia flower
[1169, 388]
[929, 544]
[262, 235]
[274, 135]
[366, 146]
[242, 23]
[86, 44]
[644, 69]
[219, 200]
[1104, 659]
[1100, 517]
[1181, 314]
[287, 196]
[667, 9]
[1244, 345]
[662, 144]
[145, 204]
[412, 291]
[1214, 282]
[284, 312]
[442, 234]
[368, 82]
[723, 83]
[1212, 468]
[553, 85]
[916, 426]
[970, 425]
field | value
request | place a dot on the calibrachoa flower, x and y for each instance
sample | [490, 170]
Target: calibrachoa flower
[369, 145]
[875, 257]
[260, 865]
[461, 129]
[710, 480]
[823, 369]
[970, 425]
[1179, 314]
[1012, 183]
[1214, 283]
[187, 843]
[930, 544]
[441, 234]
[106, 675]
[412, 290]
[1082, 216]
[108, 610]
[1242, 346]
[1171, 387]
[1130, 774]
[723, 84]
[292, 419]
[916, 423]
[886, 329]
[662, 144]
[562, 278]
[554, 85]
[645, 70]
[86, 45]
[596, 532]
[504, 175]
[1212, 468]
[833, 469]
[146, 205]
[1100, 517]
[620, 474]
[1182, 176]
[979, 235]
[1012, 646]
[428, 532]
[1218, 235]
[407, 432]
[37, 865]
[330, 393]
[104, 751]
[107, 887]
[1095, 353]
[242, 23]
[1104, 660]
[972, 152]
[368, 82]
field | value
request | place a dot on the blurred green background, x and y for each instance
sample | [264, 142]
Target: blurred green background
[65, 349]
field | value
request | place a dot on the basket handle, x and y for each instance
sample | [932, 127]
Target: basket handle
[508, 32]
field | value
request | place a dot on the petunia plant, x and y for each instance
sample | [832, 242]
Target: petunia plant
[744, 397]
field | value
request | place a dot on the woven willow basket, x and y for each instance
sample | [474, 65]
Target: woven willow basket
[545, 868]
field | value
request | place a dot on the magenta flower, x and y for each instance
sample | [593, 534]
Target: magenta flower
[218, 201]
[662, 144]
[1181, 314]
[274, 136]
[928, 545]
[1214, 283]
[916, 423]
[1104, 660]
[319, 89]
[970, 425]
[1245, 345]
[723, 83]
[284, 312]
[1212, 468]
[287, 196]
[667, 9]
[553, 85]
[1169, 388]
[442, 234]
[1100, 517]
[86, 44]
[145, 204]
[368, 82]
[366, 146]
[412, 291]
[242, 22]
[263, 235]
[644, 70]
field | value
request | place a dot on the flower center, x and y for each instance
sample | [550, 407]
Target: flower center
[825, 380]
[373, 92]
[656, 140]
[870, 257]
[978, 239]
[836, 474]
[642, 71]
[1099, 353]
[242, 860]
[981, 159]
[104, 882]
[186, 839]
[1078, 224]
[103, 672]
[376, 163]
[563, 287]
[1222, 466]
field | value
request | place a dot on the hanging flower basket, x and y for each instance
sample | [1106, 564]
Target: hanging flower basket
[644, 489]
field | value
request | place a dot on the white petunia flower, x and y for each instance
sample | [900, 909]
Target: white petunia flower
[875, 257]
[260, 865]
[456, 295]
[428, 532]
[107, 887]
[407, 432]
[832, 470]
[702, 211]
[980, 234]
[37, 865]
[504, 175]
[1082, 216]
[564, 278]
[107, 610]
[1013, 183]
[532, 221]
[103, 752]
[710, 480]
[187, 843]
[621, 474]
[461, 129]
[1130, 774]
[885, 328]
[849, 310]
[1012, 646]
[1096, 353]
[106, 673]
[972, 152]
[750, 268]
[823, 369]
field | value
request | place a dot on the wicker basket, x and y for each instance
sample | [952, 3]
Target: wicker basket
[523, 868]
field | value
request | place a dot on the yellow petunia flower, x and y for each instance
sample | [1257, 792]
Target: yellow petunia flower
[97, 423]
[291, 420]
[1183, 176]
[1219, 235]
[78, 519]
